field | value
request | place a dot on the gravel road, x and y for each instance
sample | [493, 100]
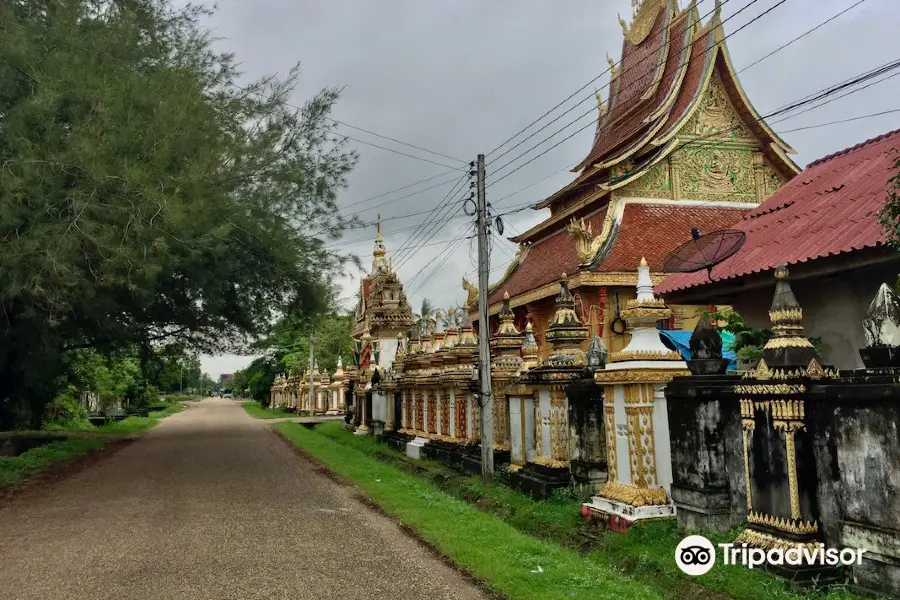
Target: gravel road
[210, 504]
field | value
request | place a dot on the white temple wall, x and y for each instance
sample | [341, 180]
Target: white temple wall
[516, 444]
[623, 453]
[388, 352]
[662, 441]
[544, 424]
[452, 400]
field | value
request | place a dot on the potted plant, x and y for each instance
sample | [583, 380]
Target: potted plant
[748, 357]
[881, 327]
[748, 341]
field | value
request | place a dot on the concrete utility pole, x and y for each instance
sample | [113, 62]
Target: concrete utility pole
[485, 397]
[310, 382]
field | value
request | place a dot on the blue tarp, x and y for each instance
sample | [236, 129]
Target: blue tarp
[681, 341]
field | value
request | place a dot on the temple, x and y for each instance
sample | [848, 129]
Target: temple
[678, 145]
[382, 316]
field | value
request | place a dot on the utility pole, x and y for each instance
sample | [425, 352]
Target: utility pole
[485, 397]
[310, 381]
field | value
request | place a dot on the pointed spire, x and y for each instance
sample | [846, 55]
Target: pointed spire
[789, 347]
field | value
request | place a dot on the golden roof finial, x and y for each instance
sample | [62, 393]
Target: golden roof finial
[378, 234]
[643, 262]
[505, 295]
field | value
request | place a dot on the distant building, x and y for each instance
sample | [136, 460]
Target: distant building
[225, 381]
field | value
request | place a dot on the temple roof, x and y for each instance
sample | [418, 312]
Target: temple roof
[670, 224]
[830, 208]
[668, 60]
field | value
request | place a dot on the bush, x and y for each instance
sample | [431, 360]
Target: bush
[64, 412]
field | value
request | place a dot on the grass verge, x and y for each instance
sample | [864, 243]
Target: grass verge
[645, 553]
[258, 411]
[512, 563]
[16, 469]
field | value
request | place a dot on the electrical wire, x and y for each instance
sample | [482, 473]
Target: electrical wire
[593, 121]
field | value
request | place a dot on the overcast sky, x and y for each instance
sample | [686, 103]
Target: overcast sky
[460, 77]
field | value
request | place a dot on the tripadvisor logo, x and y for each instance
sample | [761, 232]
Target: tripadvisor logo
[696, 555]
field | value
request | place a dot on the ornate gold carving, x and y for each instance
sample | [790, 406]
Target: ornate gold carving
[746, 432]
[815, 371]
[643, 21]
[787, 409]
[444, 399]
[782, 389]
[788, 342]
[791, 449]
[559, 426]
[796, 526]
[586, 245]
[722, 174]
[461, 424]
[612, 459]
[538, 429]
[632, 495]
[550, 462]
[419, 420]
[644, 355]
[608, 377]
[472, 290]
[769, 542]
[655, 182]
[789, 314]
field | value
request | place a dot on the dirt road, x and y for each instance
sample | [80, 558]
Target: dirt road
[210, 505]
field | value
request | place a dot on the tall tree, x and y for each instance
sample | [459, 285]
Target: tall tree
[145, 196]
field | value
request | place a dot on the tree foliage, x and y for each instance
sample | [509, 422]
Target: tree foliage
[145, 197]
[286, 350]
[890, 214]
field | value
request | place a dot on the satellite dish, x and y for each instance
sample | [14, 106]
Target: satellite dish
[704, 251]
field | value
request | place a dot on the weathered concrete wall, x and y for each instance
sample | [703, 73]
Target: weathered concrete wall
[857, 429]
[708, 480]
[833, 309]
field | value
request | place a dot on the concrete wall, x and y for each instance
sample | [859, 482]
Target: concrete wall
[833, 309]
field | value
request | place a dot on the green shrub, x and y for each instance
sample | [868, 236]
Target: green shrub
[64, 412]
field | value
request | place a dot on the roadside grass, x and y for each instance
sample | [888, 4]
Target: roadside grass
[647, 551]
[16, 469]
[258, 411]
[512, 563]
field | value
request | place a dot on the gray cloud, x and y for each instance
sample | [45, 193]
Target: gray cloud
[460, 77]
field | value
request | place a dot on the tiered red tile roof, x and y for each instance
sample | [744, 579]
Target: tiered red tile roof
[829, 209]
[647, 230]
[668, 59]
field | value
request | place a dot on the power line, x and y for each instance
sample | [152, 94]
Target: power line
[422, 230]
[572, 95]
[397, 141]
[592, 122]
[607, 85]
[400, 189]
[810, 98]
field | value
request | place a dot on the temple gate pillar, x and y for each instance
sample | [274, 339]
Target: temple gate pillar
[635, 418]
[548, 469]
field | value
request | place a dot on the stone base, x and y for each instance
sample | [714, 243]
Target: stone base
[619, 516]
[397, 440]
[377, 428]
[703, 510]
[757, 536]
[879, 573]
[587, 477]
[414, 448]
[539, 481]
[362, 430]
